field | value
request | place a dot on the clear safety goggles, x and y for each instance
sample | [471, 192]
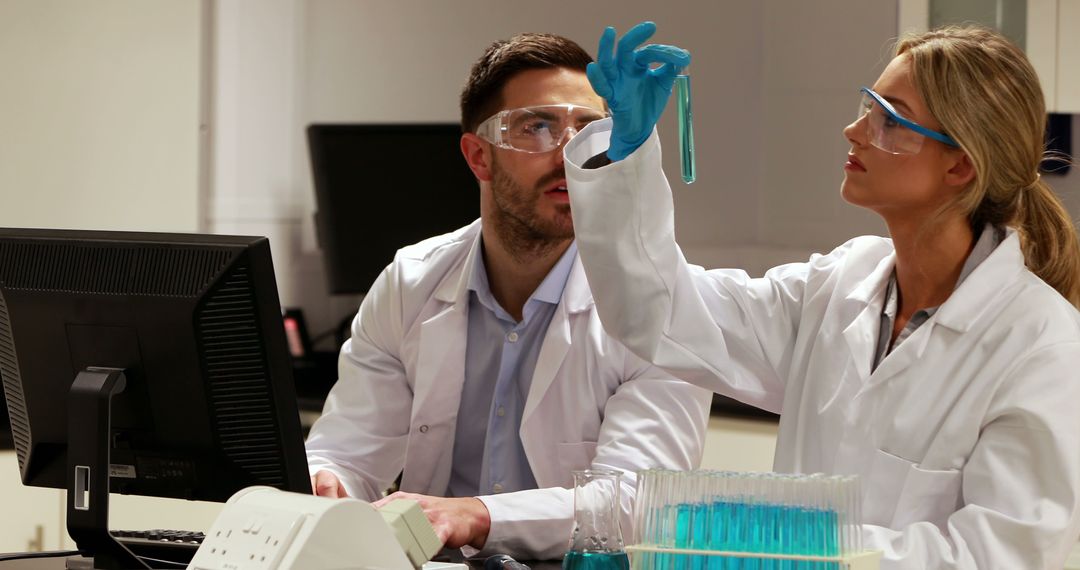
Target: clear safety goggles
[537, 129]
[890, 132]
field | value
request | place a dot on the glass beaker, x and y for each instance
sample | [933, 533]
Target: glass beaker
[596, 543]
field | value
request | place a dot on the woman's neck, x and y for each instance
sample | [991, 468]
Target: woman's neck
[928, 261]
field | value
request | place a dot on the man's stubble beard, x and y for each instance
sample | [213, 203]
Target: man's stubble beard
[523, 232]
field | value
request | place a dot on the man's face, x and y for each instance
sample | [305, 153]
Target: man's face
[527, 193]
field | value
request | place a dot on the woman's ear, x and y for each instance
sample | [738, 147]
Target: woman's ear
[962, 171]
[477, 155]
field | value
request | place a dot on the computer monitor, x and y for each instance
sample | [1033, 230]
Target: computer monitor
[380, 187]
[156, 362]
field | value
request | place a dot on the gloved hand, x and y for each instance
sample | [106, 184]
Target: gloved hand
[635, 93]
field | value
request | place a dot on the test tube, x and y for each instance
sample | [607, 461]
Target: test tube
[686, 128]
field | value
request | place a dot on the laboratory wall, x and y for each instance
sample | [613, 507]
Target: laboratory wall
[406, 61]
[100, 114]
[773, 85]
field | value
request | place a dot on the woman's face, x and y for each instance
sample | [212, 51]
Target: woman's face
[898, 186]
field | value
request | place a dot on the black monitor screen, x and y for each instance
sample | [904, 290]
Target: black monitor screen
[380, 187]
[178, 338]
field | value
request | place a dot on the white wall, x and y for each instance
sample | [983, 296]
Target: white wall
[100, 114]
[103, 103]
[407, 60]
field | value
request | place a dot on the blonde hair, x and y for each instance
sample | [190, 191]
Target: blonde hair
[984, 92]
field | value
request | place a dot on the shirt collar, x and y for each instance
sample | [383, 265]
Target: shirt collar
[988, 241]
[550, 289]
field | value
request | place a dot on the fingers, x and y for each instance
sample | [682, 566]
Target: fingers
[662, 54]
[326, 484]
[604, 58]
[421, 499]
[599, 81]
[387, 499]
[631, 40]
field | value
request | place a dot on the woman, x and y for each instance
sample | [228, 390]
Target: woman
[942, 365]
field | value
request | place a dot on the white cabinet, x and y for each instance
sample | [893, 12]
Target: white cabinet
[1068, 56]
[1048, 30]
[30, 517]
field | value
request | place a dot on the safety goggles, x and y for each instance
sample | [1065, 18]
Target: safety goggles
[536, 129]
[890, 132]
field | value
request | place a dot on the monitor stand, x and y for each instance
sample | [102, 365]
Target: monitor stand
[89, 402]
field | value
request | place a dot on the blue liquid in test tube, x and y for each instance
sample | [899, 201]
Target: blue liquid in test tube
[686, 128]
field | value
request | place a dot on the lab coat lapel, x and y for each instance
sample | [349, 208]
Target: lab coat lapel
[575, 299]
[867, 300]
[440, 375]
[904, 355]
[440, 372]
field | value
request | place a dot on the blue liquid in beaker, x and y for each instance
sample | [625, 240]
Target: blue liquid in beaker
[575, 560]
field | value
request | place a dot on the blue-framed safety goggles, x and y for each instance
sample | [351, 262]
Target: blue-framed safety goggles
[890, 132]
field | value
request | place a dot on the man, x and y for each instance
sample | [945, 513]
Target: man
[477, 363]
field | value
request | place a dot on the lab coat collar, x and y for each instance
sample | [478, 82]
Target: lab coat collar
[867, 298]
[577, 297]
[454, 289]
[988, 280]
[874, 284]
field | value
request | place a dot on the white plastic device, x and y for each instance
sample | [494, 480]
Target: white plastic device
[266, 528]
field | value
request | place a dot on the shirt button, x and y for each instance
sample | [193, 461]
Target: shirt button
[497, 488]
[423, 428]
[501, 411]
[512, 337]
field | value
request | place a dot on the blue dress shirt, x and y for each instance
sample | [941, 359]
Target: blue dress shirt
[500, 357]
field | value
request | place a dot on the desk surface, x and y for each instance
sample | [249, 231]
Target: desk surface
[59, 563]
[34, 564]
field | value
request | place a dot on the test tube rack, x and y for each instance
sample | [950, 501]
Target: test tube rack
[725, 520]
[661, 558]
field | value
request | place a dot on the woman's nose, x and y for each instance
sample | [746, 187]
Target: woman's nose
[855, 131]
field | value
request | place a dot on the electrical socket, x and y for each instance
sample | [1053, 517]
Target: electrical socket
[263, 527]
[250, 538]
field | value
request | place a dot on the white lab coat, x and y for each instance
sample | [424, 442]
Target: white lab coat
[966, 437]
[592, 403]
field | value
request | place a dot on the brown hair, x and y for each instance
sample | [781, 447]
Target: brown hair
[482, 95]
[986, 95]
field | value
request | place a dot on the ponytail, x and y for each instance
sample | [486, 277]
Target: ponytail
[1049, 240]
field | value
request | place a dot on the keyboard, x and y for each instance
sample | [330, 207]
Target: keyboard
[160, 544]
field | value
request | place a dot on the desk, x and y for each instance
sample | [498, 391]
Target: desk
[59, 564]
[34, 564]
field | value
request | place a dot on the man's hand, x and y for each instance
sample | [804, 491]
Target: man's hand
[458, 522]
[326, 484]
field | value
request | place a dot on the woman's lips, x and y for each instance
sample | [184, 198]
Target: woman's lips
[854, 164]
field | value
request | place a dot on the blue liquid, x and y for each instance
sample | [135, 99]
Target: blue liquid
[595, 561]
[686, 129]
[747, 527]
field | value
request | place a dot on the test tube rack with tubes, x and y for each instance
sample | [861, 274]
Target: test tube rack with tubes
[724, 520]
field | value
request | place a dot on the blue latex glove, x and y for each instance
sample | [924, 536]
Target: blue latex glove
[635, 93]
